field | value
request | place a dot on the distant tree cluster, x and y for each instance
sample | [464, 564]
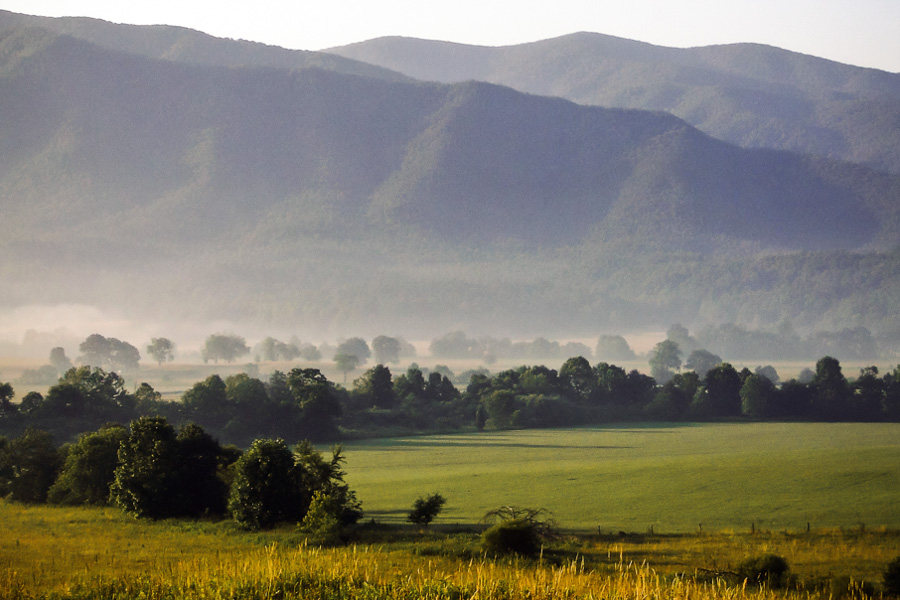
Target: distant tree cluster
[456, 345]
[150, 470]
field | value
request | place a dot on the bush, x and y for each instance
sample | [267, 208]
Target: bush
[266, 486]
[424, 510]
[891, 581]
[321, 523]
[766, 569]
[518, 536]
[519, 530]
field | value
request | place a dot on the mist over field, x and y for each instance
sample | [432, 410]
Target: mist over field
[156, 181]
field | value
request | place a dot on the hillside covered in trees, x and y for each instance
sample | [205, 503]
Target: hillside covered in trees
[144, 176]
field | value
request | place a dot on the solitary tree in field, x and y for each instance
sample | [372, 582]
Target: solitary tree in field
[161, 349]
[425, 510]
[225, 347]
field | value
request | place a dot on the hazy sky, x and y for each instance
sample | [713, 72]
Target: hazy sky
[860, 32]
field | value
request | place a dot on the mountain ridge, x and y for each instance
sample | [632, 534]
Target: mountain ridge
[748, 94]
[318, 199]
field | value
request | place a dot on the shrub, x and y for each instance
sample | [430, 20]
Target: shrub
[519, 530]
[321, 523]
[424, 510]
[891, 581]
[766, 569]
[265, 489]
[518, 536]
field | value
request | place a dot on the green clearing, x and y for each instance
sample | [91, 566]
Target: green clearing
[775, 476]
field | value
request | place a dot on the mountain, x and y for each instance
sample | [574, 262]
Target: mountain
[751, 95]
[309, 199]
[179, 44]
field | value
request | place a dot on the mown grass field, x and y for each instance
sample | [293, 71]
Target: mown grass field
[674, 478]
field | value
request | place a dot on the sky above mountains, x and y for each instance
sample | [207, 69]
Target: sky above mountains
[861, 33]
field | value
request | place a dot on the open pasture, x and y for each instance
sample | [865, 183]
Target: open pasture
[673, 478]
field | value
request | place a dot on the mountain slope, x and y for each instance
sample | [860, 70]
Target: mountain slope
[210, 147]
[324, 200]
[180, 44]
[751, 95]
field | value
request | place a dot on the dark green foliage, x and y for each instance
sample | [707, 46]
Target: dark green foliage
[376, 387]
[517, 531]
[28, 466]
[199, 489]
[89, 468]
[831, 399]
[207, 403]
[580, 377]
[720, 394]
[758, 397]
[7, 408]
[511, 537]
[273, 484]
[891, 579]
[146, 477]
[767, 569]
[265, 489]
[425, 509]
[325, 478]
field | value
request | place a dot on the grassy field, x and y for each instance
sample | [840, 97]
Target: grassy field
[843, 479]
[674, 478]
[52, 552]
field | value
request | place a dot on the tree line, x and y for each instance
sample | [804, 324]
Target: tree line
[304, 404]
[150, 470]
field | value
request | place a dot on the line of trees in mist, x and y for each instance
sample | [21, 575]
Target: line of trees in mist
[348, 355]
[304, 404]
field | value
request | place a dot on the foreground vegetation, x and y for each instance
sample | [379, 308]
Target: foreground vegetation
[101, 553]
[628, 501]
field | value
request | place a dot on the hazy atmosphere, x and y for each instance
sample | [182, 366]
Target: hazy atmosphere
[161, 182]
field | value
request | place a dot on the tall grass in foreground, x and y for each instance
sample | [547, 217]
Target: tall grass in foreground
[51, 552]
[316, 574]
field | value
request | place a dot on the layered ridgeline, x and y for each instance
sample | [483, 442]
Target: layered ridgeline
[748, 94]
[180, 44]
[312, 198]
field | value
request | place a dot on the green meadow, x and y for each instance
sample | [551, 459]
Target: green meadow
[673, 478]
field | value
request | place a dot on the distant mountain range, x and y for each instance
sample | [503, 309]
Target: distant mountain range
[173, 176]
[751, 95]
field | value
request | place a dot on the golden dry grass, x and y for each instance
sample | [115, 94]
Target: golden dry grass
[94, 553]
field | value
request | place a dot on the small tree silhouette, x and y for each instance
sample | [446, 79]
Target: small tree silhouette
[424, 510]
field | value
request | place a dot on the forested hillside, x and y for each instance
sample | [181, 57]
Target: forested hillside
[317, 200]
[751, 95]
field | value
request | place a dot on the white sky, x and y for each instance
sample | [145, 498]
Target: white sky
[859, 32]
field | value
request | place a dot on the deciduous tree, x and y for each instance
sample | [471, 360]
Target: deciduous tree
[224, 347]
[162, 350]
